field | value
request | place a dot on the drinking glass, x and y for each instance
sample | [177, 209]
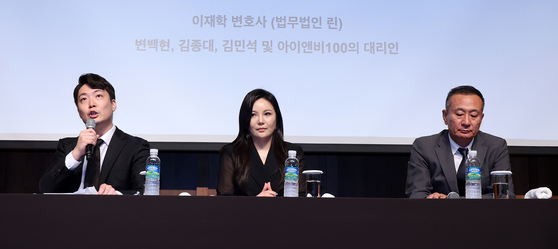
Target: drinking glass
[313, 182]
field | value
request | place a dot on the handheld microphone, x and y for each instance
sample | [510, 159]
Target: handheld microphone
[453, 195]
[90, 124]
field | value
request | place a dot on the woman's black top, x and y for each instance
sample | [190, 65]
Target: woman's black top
[260, 172]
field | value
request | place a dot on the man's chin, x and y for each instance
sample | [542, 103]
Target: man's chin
[459, 138]
[466, 136]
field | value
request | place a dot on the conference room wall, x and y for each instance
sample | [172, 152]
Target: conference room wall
[366, 171]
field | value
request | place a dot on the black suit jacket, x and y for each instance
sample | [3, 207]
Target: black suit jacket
[260, 173]
[431, 167]
[124, 160]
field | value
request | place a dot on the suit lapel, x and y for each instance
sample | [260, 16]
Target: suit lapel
[478, 145]
[446, 162]
[256, 166]
[116, 145]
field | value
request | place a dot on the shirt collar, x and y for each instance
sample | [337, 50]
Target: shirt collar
[108, 136]
[455, 146]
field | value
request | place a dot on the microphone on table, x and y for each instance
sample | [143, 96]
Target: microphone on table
[453, 195]
[90, 124]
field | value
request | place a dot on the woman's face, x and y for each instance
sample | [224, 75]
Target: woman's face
[263, 121]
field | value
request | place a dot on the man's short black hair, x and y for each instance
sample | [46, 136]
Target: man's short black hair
[94, 81]
[467, 90]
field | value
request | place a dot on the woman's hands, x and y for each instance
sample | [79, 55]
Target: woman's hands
[267, 191]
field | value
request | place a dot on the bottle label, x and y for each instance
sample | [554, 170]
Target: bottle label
[473, 173]
[291, 173]
[152, 171]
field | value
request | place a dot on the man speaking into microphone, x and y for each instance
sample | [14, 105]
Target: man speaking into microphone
[102, 156]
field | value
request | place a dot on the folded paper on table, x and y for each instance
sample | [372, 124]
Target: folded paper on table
[86, 191]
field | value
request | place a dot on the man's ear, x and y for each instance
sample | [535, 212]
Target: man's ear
[113, 102]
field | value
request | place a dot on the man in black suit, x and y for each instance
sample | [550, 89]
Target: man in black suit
[435, 160]
[120, 157]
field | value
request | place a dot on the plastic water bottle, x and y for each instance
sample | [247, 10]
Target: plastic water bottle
[152, 173]
[473, 177]
[291, 175]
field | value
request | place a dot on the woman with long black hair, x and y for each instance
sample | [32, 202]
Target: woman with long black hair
[253, 164]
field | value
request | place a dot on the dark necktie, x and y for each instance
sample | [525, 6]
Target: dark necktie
[93, 168]
[462, 171]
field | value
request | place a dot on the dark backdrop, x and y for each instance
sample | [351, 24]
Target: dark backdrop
[349, 170]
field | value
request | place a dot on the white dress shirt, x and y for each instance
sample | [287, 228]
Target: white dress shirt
[457, 156]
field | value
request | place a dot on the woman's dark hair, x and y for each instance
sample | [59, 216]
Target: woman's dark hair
[241, 145]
